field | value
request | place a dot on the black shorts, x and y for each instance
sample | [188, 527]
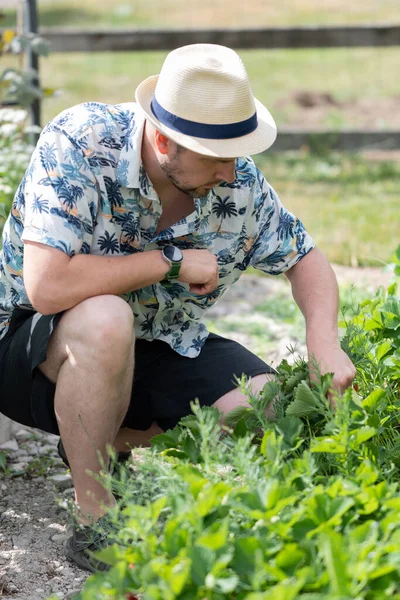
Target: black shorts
[164, 384]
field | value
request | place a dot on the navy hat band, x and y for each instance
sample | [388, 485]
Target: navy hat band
[202, 130]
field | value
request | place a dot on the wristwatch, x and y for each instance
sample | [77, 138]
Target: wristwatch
[173, 256]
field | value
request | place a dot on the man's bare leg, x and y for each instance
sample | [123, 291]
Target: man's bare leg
[90, 359]
[236, 398]
[129, 438]
[133, 438]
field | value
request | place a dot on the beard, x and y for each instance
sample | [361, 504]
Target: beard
[174, 173]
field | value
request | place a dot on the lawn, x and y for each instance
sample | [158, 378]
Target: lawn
[349, 76]
[205, 13]
[350, 205]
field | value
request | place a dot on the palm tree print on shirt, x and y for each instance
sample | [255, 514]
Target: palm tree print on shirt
[108, 243]
[48, 156]
[38, 205]
[223, 208]
[113, 192]
[68, 194]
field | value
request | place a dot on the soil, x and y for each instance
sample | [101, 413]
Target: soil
[33, 517]
[314, 110]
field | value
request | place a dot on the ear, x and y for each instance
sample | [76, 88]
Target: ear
[162, 142]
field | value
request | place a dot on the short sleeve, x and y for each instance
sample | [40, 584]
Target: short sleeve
[281, 239]
[60, 195]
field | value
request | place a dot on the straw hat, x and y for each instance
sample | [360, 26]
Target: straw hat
[203, 101]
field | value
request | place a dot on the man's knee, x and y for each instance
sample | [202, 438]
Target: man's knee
[101, 322]
[100, 327]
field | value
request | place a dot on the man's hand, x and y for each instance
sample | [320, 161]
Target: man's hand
[200, 269]
[330, 358]
[315, 290]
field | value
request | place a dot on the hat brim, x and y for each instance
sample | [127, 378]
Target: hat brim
[253, 143]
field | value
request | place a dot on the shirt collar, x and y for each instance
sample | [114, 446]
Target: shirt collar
[130, 158]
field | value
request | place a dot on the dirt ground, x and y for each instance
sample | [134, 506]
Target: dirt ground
[33, 517]
[315, 110]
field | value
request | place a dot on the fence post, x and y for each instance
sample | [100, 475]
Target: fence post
[31, 26]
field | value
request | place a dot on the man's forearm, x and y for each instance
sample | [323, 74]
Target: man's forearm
[315, 291]
[83, 276]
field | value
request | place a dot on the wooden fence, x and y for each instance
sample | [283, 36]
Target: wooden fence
[78, 40]
[120, 40]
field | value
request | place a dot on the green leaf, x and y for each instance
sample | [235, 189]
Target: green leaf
[333, 550]
[305, 402]
[358, 436]
[371, 401]
[227, 583]
[244, 561]
[290, 427]
[235, 415]
[216, 536]
[270, 391]
[40, 46]
[286, 590]
[383, 349]
[3, 460]
[202, 562]
[109, 555]
[210, 498]
[294, 380]
[179, 575]
[175, 536]
[326, 444]
[289, 557]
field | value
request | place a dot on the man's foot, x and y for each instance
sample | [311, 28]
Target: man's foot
[80, 547]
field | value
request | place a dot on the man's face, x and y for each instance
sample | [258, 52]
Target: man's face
[195, 174]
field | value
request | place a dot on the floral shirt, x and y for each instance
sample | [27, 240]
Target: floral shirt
[87, 192]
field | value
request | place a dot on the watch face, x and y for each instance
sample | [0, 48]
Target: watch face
[173, 253]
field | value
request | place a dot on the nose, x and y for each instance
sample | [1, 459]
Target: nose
[226, 171]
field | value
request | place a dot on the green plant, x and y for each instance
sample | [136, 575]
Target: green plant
[15, 152]
[3, 461]
[305, 506]
[19, 84]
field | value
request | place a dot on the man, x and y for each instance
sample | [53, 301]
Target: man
[131, 221]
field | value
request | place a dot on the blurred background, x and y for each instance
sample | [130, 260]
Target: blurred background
[348, 201]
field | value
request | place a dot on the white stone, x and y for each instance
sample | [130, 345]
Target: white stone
[21, 466]
[23, 434]
[72, 593]
[61, 482]
[59, 538]
[47, 449]
[20, 452]
[10, 445]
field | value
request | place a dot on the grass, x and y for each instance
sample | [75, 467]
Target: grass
[275, 76]
[346, 74]
[348, 203]
[205, 13]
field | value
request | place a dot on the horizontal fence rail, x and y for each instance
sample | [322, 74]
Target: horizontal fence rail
[125, 40]
[128, 40]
